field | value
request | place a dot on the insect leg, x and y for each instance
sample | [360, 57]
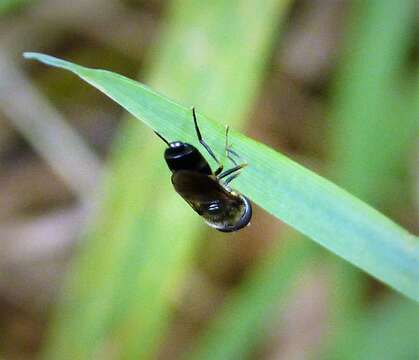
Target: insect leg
[205, 145]
[229, 151]
[161, 137]
[231, 178]
[232, 170]
[227, 145]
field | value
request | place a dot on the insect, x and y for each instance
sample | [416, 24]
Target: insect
[208, 192]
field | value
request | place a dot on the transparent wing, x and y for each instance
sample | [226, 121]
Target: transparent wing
[220, 208]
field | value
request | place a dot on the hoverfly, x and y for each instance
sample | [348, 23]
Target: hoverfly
[207, 192]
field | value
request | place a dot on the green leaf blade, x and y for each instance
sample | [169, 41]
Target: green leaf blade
[311, 204]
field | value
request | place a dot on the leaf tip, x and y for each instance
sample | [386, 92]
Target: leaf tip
[38, 56]
[50, 60]
[29, 55]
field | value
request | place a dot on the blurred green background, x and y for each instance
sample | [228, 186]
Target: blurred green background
[101, 259]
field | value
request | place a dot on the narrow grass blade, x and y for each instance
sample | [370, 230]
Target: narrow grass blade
[371, 132]
[390, 331]
[241, 324]
[371, 136]
[311, 204]
[224, 88]
[138, 251]
[7, 6]
[213, 81]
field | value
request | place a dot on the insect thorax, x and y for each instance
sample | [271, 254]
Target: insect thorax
[183, 156]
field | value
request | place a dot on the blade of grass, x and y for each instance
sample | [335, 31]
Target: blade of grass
[389, 331]
[415, 175]
[137, 274]
[216, 44]
[236, 324]
[211, 83]
[7, 6]
[371, 134]
[368, 135]
[37, 121]
[313, 205]
[239, 327]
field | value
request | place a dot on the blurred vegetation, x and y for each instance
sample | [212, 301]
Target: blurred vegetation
[334, 85]
[7, 6]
